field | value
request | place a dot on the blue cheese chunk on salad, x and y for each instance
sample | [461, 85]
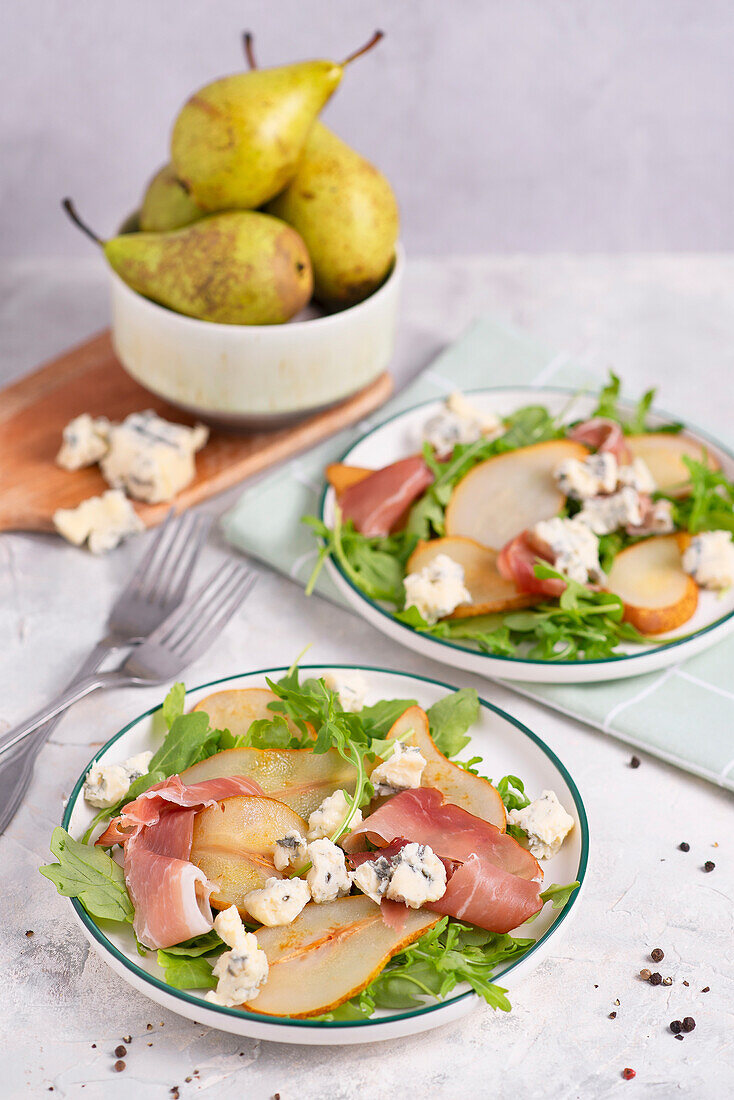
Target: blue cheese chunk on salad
[350, 687]
[328, 818]
[414, 876]
[290, 851]
[574, 545]
[606, 514]
[106, 784]
[459, 422]
[402, 770]
[278, 902]
[587, 478]
[546, 823]
[709, 559]
[241, 971]
[437, 589]
[328, 878]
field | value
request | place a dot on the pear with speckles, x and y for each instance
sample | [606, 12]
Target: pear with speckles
[237, 141]
[167, 203]
[347, 214]
[239, 268]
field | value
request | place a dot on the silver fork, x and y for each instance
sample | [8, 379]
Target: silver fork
[156, 588]
[179, 640]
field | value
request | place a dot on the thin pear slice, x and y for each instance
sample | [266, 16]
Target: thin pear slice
[663, 453]
[458, 786]
[297, 777]
[341, 477]
[234, 841]
[328, 954]
[648, 577]
[499, 498]
[237, 709]
[489, 590]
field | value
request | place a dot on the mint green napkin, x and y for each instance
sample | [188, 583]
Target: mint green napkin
[659, 712]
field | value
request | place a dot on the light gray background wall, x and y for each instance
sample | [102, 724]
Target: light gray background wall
[505, 125]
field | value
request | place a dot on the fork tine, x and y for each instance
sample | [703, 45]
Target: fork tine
[144, 571]
[200, 640]
[207, 608]
[184, 618]
[181, 574]
[168, 560]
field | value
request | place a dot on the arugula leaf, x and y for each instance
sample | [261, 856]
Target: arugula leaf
[90, 875]
[378, 719]
[451, 717]
[198, 945]
[512, 792]
[449, 953]
[639, 418]
[710, 505]
[530, 424]
[608, 398]
[559, 895]
[173, 704]
[186, 973]
[189, 740]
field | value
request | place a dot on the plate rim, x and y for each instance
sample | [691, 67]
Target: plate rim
[595, 662]
[106, 944]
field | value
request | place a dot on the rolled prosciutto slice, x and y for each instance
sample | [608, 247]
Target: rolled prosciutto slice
[377, 503]
[484, 894]
[602, 434]
[516, 562]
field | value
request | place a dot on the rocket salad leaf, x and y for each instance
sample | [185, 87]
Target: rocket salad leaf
[90, 875]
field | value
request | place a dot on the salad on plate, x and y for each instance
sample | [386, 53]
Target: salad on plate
[291, 852]
[537, 534]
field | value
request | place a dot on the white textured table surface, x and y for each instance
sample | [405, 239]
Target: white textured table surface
[664, 320]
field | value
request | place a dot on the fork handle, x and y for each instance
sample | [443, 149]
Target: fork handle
[72, 694]
[16, 766]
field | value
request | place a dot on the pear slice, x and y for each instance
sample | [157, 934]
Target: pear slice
[648, 577]
[234, 841]
[506, 494]
[458, 786]
[663, 453]
[341, 477]
[237, 709]
[328, 954]
[489, 590]
[297, 777]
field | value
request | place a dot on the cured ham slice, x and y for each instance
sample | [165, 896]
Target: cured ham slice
[170, 894]
[492, 881]
[602, 434]
[377, 503]
[148, 807]
[517, 560]
[483, 894]
[421, 815]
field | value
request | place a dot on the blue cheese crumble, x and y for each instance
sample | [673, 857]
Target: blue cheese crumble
[290, 852]
[574, 546]
[583, 479]
[350, 687]
[100, 522]
[106, 784]
[414, 876]
[602, 515]
[241, 971]
[709, 559]
[329, 816]
[327, 878]
[546, 823]
[437, 589]
[459, 422]
[402, 770]
[150, 458]
[85, 440]
[278, 902]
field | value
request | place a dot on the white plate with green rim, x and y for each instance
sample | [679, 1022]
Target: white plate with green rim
[508, 747]
[401, 436]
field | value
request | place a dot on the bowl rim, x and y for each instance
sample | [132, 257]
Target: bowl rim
[329, 319]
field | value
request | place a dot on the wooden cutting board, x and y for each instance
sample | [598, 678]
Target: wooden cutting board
[90, 379]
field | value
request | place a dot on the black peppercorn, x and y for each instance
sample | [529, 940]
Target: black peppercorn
[688, 1023]
[635, 762]
[709, 865]
[676, 1026]
[657, 954]
[120, 1051]
[684, 846]
[119, 1066]
[656, 978]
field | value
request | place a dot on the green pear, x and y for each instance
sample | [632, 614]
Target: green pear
[347, 214]
[238, 268]
[236, 143]
[167, 203]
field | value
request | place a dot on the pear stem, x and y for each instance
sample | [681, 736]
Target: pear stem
[248, 43]
[367, 46]
[70, 209]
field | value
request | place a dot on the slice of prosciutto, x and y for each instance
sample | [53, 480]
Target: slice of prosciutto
[376, 504]
[147, 808]
[517, 560]
[170, 894]
[602, 434]
[492, 881]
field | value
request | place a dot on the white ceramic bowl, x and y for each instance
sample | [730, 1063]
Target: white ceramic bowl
[255, 376]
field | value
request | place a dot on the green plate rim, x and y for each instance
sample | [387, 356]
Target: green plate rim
[336, 1025]
[663, 647]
